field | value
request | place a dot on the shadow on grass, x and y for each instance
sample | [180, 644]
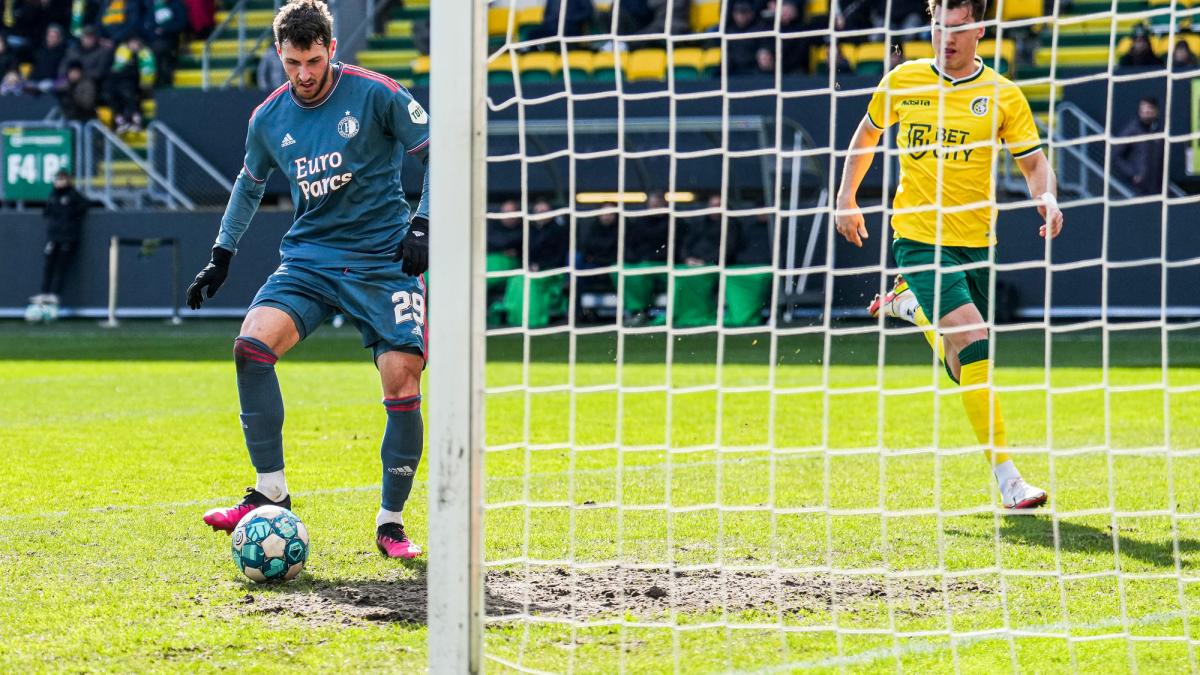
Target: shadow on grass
[199, 340]
[1080, 538]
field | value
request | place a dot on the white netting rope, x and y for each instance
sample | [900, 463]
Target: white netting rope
[630, 458]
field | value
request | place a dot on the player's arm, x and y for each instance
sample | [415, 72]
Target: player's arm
[1043, 187]
[243, 203]
[850, 223]
[409, 124]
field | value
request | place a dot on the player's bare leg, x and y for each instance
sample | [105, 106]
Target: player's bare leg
[966, 339]
[267, 333]
[403, 440]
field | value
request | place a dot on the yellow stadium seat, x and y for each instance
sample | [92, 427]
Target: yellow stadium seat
[871, 53]
[1072, 57]
[420, 65]
[820, 56]
[539, 66]
[712, 58]
[498, 21]
[646, 64]
[705, 15]
[1021, 9]
[818, 8]
[918, 49]
[987, 52]
[604, 66]
[689, 57]
[579, 63]
[530, 16]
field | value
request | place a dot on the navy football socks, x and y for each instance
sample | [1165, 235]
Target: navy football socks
[401, 449]
[262, 403]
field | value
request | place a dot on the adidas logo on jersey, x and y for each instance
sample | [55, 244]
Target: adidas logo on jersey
[287, 140]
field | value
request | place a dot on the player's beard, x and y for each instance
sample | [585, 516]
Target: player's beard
[320, 88]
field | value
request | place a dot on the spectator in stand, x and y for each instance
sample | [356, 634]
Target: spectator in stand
[48, 60]
[595, 246]
[93, 57]
[910, 14]
[699, 246]
[742, 54]
[270, 73]
[165, 22]
[1182, 57]
[1141, 162]
[77, 97]
[504, 242]
[132, 79]
[645, 246]
[202, 17]
[30, 18]
[64, 213]
[750, 243]
[548, 244]
[1141, 52]
[649, 17]
[12, 84]
[793, 52]
[576, 18]
[119, 21]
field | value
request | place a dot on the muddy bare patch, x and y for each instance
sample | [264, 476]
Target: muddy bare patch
[593, 594]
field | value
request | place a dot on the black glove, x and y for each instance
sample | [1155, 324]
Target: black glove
[211, 277]
[414, 248]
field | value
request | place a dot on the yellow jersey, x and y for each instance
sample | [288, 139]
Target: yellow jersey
[948, 135]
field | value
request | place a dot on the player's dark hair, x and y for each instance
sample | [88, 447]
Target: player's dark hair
[304, 23]
[978, 7]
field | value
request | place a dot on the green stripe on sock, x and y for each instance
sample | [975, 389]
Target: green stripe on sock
[976, 351]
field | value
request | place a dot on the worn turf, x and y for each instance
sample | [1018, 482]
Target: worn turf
[636, 513]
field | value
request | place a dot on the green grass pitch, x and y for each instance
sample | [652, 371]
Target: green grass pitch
[115, 442]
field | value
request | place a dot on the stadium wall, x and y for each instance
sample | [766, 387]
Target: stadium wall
[1134, 233]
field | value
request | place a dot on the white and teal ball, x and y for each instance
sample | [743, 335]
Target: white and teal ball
[270, 544]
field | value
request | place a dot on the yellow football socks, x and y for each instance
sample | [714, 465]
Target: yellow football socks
[983, 409]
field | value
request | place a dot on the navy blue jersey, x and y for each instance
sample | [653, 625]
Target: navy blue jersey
[342, 157]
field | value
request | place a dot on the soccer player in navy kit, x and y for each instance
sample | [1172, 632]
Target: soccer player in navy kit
[340, 133]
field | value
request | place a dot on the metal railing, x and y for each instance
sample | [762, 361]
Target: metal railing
[185, 168]
[236, 17]
[98, 149]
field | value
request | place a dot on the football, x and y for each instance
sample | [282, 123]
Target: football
[270, 544]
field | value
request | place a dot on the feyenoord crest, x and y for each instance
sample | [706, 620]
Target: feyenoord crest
[348, 127]
[979, 106]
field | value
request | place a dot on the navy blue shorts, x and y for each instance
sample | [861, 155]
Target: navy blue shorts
[387, 305]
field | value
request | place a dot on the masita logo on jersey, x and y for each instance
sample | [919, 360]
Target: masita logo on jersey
[319, 187]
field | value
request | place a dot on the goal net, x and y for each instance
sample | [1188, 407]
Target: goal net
[693, 447]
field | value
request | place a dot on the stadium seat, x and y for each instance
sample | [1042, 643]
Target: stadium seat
[820, 56]
[689, 63]
[918, 49]
[420, 70]
[646, 64]
[871, 58]
[1008, 54]
[579, 63]
[530, 16]
[500, 69]
[540, 66]
[604, 67]
[1074, 57]
[498, 21]
[705, 15]
[1021, 9]
[712, 60]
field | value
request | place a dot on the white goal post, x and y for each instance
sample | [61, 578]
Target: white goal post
[457, 198]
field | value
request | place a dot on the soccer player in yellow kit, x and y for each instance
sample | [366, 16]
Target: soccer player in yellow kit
[953, 112]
